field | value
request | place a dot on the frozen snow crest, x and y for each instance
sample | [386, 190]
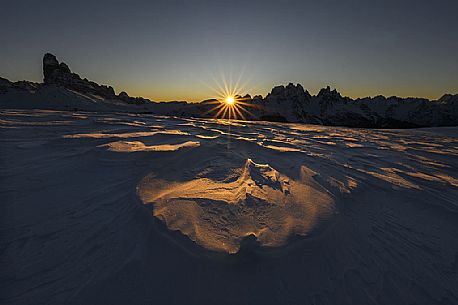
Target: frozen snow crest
[218, 214]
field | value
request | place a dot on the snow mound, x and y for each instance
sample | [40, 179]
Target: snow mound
[260, 202]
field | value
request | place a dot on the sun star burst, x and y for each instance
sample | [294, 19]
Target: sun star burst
[229, 104]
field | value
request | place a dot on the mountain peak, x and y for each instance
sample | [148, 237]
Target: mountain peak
[50, 66]
[289, 91]
[328, 93]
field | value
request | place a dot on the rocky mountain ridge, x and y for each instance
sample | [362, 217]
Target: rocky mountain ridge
[63, 89]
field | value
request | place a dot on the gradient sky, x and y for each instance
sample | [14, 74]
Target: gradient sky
[180, 50]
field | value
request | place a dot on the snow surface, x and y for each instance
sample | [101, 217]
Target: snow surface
[141, 209]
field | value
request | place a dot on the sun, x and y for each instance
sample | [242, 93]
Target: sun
[231, 106]
[230, 100]
[228, 103]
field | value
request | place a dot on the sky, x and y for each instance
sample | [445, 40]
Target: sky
[188, 50]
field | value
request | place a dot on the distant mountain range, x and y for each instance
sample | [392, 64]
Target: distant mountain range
[64, 90]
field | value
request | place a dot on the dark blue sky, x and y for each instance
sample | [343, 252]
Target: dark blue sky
[168, 50]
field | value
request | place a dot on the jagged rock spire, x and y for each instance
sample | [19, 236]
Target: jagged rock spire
[60, 74]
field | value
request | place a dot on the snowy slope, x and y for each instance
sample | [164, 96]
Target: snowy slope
[104, 208]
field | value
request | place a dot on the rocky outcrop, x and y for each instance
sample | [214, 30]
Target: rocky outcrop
[52, 70]
[286, 103]
[290, 92]
[123, 96]
[25, 86]
[328, 94]
[5, 85]
[59, 74]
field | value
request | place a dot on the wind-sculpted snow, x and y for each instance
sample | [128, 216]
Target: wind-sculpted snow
[104, 208]
[131, 146]
[125, 135]
[260, 202]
